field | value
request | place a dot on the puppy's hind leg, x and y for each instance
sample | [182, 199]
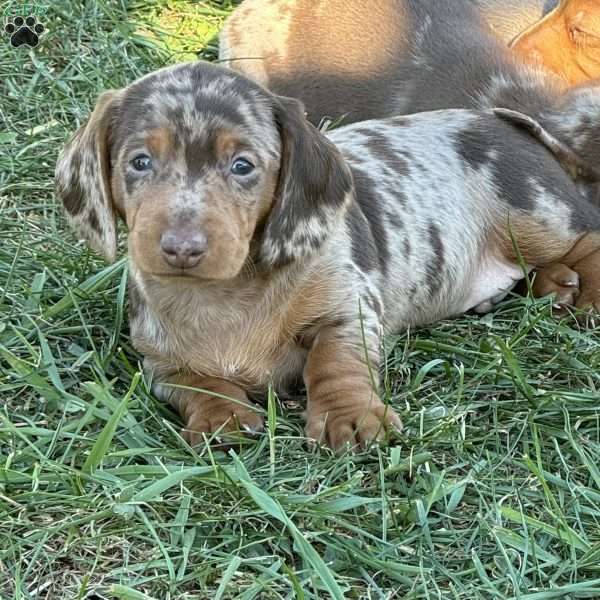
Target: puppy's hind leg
[569, 258]
[584, 259]
[560, 282]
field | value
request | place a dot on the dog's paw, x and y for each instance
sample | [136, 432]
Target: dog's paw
[360, 424]
[24, 31]
[559, 281]
[220, 416]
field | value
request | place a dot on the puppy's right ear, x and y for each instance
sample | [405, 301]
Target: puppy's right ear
[82, 179]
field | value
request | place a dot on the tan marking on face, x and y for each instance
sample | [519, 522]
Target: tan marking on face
[566, 41]
[226, 219]
[160, 142]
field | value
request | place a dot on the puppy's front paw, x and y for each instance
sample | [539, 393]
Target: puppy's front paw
[352, 424]
[208, 416]
[557, 280]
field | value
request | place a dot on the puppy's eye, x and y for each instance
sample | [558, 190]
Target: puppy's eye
[242, 166]
[142, 162]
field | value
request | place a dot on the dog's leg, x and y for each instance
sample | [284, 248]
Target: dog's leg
[208, 405]
[567, 260]
[559, 281]
[343, 404]
[584, 259]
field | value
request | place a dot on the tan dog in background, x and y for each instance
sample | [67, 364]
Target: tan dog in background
[347, 62]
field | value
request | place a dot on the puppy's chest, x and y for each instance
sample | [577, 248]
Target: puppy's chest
[251, 348]
[252, 342]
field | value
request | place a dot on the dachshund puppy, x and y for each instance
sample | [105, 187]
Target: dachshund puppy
[263, 251]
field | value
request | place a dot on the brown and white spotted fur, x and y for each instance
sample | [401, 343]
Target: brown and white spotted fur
[263, 251]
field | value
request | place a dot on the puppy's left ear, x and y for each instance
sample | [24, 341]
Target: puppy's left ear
[82, 179]
[314, 186]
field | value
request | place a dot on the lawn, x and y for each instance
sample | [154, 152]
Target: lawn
[492, 491]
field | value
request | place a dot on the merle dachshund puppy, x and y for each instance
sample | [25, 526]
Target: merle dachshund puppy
[263, 251]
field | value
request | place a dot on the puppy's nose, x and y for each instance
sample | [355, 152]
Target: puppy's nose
[183, 249]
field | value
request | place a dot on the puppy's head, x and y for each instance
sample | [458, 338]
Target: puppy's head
[207, 169]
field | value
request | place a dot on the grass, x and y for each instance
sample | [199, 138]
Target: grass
[493, 491]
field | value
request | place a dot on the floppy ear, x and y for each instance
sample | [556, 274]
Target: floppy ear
[82, 179]
[313, 188]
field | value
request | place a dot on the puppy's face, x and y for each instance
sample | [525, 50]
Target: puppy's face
[193, 173]
[207, 169]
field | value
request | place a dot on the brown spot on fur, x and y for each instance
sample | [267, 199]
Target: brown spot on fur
[537, 243]
[160, 142]
[93, 218]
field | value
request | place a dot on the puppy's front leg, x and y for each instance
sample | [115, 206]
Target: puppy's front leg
[214, 405]
[343, 405]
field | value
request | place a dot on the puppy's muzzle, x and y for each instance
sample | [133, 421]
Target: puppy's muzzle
[183, 249]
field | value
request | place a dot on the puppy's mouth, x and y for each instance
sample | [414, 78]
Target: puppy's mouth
[184, 274]
[186, 277]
